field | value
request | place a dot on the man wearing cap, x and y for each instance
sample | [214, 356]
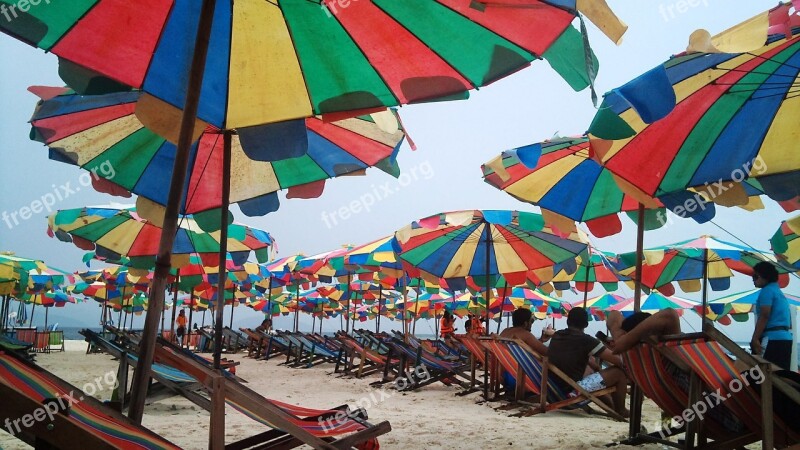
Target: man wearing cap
[570, 350]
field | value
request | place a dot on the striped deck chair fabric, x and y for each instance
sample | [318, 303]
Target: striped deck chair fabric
[473, 345]
[89, 415]
[710, 362]
[251, 404]
[668, 386]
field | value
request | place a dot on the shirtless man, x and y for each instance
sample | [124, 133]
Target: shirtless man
[521, 322]
[629, 332]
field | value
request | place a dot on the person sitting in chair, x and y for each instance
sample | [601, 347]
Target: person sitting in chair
[571, 350]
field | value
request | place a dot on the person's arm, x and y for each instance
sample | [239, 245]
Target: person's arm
[609, 357]
[535, 344]
[763, 317]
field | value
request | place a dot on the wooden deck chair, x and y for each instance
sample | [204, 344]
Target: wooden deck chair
[706, 358]
[538, 370]
[369, 362]
[288, 430]
[80, 423]
[256, 342]
[171, 382]
[57, 341]
[477, 356]
[27, 335]
[680, 371]
[41, 343]
[419, 368]
[10, 344]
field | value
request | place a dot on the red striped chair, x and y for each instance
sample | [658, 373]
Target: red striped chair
[85, 423]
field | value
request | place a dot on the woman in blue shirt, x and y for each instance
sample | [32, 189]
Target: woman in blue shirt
[774, 320]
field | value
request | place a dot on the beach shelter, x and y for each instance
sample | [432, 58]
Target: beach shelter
[655, 302]
[119, 231]
[484, 244]
[708, 118]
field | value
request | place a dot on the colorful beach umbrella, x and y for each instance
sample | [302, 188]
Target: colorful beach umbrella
[785, 242]
[103, 134]
[559, 175]
[709, 118]
[268, 63]
[655, 302]
[120, 231]
[484, 245]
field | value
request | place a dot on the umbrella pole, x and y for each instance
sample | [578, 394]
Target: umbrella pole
[636, 392]
[203, 324]
[191, 309]
[46, 313]
[706, 323]
[223, 256]
[141, 376]
[486, 298]
[297, 307]
[320, 326]
[33, 309]
[174, 303]
[233, 307]
[586, 281]
[380, 306]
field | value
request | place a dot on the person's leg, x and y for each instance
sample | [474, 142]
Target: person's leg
[779, 353]
[662, 323]
[614, 376]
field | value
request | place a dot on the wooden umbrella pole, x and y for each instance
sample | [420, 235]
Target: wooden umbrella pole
[637, 290]
[141, 376]
[586, 281]
[486, 298]
[223, 247]
[637, 398]
[706, 323]
[380, 306]
[174, 305]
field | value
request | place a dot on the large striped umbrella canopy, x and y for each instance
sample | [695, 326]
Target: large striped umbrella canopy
[558, 175]
[786, 242]
[685, 261]
[485, 243]
[103, 134]
[288, 59]
[710, 117]
[120, 231]
[16, 271]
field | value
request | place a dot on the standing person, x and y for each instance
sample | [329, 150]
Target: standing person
[181, 321]
[774, 319]
[571, 349]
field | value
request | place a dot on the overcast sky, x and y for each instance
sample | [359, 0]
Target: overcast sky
[453, 140]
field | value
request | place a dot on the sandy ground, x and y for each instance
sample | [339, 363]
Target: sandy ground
[432, 417]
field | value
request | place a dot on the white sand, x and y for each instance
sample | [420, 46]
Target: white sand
[432, 417]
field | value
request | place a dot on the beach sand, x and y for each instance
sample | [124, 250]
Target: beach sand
[432, 417]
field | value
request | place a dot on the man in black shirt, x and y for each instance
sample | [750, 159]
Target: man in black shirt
[571, 351]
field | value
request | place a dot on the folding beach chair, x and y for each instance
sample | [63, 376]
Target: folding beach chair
[171, 382]
[57, 341]
[256, 342]
[75, 420]
[41, 342]
[370, 361]
[685, 370]
[288, 428]
[477, 355]
[535, 372]
[418, 368]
